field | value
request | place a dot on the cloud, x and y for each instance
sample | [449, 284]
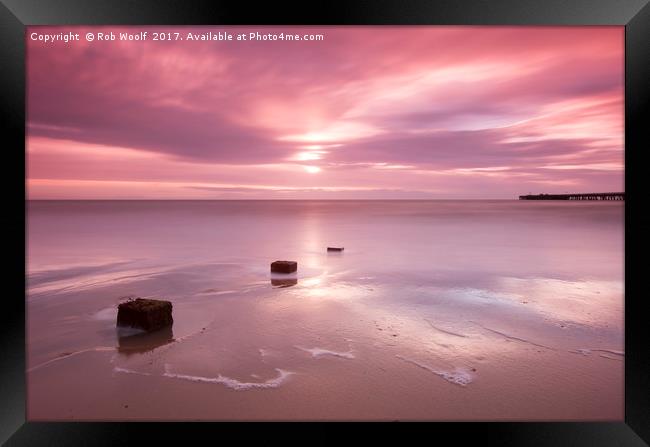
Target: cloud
[365, 99]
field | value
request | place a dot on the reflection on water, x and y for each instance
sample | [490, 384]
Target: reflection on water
[143, 342]
[504, 292]
[288, 282]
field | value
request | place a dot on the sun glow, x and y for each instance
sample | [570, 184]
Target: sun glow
[334, 134]
[318, 147]
[312, 169]
[306, 156]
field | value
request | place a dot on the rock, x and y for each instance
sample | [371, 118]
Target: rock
[335, 248]
[284, 266]
[145, 314]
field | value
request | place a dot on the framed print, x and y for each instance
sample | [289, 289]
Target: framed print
[428, 212]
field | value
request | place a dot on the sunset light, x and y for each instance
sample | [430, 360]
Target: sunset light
[381, 114]
[384, 223]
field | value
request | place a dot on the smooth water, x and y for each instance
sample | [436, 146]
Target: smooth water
[462, 292]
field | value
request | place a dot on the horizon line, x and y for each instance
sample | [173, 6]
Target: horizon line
[254, 200]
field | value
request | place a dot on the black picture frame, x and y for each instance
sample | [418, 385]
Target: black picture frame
[15, 15]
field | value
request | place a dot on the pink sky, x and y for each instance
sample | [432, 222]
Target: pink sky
[369, 112]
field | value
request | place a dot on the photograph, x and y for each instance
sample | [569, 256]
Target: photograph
[325, 223]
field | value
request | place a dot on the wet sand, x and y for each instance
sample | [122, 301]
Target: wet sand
[355, 338]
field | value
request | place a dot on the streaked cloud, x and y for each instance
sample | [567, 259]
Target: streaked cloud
[400, 111]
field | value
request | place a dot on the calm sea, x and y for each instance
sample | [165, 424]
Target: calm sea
[471, 238]
[475, 294]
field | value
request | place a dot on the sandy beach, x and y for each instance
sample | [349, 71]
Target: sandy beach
[430, 313]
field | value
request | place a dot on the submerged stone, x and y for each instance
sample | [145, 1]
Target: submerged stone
[145, 314]
[284, 266]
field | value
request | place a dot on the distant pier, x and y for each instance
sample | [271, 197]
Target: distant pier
[586, 196]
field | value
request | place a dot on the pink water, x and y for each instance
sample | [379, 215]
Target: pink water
[435, 310]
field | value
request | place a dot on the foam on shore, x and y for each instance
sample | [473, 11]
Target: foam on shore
[459, 376]
[265, 352]
[319, 352]
[234, 383]
[130, 371]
